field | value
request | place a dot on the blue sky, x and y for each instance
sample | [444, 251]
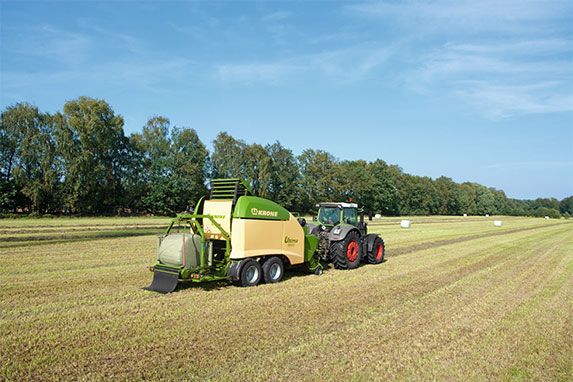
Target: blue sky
[474, 90]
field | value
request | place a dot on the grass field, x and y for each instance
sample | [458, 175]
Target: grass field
[457, 299]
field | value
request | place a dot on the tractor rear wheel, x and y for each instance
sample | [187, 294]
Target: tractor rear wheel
[345, 254]
[251, 273]
[376, 255]
[273, 270]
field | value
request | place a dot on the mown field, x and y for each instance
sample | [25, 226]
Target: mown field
[457, 299]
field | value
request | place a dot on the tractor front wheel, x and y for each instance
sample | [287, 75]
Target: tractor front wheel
[345, 254]
[376, 255]
[251, 273]
[273, 270]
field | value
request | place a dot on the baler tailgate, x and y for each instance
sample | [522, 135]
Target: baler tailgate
[164, 279]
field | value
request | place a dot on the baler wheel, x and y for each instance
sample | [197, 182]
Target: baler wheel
[376, 256]
[273, 270]
[345, 254]
[251, 273]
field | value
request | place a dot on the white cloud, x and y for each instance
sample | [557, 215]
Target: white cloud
[277, 16]
[533, 164]
[502, 101]
[343, 65]
[465, 13]
[268, 72]
[501, 79]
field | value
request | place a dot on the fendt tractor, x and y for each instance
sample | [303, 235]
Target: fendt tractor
[343, 239]
[233, 235]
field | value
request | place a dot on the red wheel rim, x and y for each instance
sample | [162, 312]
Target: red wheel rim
[379, 252]
[352, 251]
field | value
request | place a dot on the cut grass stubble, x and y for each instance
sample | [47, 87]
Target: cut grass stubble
[491, 307]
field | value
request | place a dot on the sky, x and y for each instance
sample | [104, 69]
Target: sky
[478, 91]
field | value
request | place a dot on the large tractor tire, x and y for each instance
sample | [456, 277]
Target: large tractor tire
[273, 270]
[345, 254]
[251, 273]
[376, 255]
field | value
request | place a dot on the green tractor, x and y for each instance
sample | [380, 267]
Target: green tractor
[343, 236]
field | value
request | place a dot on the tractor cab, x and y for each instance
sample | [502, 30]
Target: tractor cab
[333, 214]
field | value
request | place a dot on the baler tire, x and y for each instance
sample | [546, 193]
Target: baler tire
[376, 256]
[273, 270]
[340, 253]
[251, 273]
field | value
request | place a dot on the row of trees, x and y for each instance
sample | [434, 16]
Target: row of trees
[80, 161]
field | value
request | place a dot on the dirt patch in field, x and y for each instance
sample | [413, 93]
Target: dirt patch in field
[440, 243]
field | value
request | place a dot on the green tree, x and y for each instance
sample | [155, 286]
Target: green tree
[484, 200]
[383, 192]
[174, 167]
[30, 177]
[566, 206]
[418, 196]
[284, 177]
[501, 202]
[354, 182]
[256, 166]
[448, 196]
[318, 173]
[93, 149]
[188, 160]
[467, 199]
[228, 157]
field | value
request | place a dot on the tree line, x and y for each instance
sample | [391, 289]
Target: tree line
[79, 161]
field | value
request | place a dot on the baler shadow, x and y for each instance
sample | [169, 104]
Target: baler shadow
[208, 286]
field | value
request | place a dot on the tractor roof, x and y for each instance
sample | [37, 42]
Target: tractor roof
[337, 204]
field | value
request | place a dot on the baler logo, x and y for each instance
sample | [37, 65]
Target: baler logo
[290, 240]
[257, 212]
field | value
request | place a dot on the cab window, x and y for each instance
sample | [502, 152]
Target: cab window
[350, 217]
[329, 215]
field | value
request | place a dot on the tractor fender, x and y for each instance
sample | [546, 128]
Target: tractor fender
[340, 232]
[370, 241]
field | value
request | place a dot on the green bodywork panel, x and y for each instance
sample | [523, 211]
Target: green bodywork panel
[310, 256]
[310, 245]
[252, 207]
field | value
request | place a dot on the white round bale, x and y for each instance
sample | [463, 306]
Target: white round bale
[497, 223]
[405, 224]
